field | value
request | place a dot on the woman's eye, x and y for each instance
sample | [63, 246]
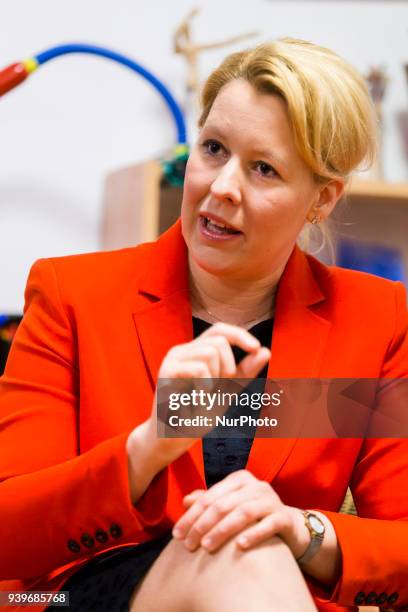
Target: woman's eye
[265, 169]
[212, 147]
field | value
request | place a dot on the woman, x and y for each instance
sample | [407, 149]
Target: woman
[97, 504]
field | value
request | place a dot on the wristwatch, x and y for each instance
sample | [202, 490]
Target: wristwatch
[316, 529]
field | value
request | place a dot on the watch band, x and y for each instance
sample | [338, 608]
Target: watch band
[316, 529]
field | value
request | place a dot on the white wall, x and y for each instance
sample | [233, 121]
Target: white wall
[80, 117]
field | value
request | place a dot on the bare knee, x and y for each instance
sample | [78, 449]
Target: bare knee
[164, 587]
[179, 579]
[270, 558]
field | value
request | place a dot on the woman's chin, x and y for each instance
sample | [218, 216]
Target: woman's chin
[212, 262]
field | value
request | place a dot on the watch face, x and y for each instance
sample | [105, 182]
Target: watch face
[316, 524]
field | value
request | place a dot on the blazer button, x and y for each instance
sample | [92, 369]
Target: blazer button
[87, 540]
[371, 598]
[102, 536]
[360, 598]
[115, 530]
[73, 546]
[382, 598]
[392, 598]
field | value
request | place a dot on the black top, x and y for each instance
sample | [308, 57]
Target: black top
[106, 583]
[224, 455]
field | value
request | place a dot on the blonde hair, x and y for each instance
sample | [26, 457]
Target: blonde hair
[329, 106]
[332, 115]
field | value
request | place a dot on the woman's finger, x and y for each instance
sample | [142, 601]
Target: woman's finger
[185, 369]
[253, 363]
[207, 353]
[226, 516]
[234, 481]
[228, 366]
[235, 335]
[214, 350]
[270, 525]
[189, 499]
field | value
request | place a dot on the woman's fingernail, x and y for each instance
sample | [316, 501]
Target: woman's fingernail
[176, 532]
[207, 542]
[243, 542]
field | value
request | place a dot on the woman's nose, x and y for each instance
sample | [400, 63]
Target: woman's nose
[227, 185]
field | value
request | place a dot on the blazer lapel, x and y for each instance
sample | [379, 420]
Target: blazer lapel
[164, 319]
[299, 338]
[161, 325]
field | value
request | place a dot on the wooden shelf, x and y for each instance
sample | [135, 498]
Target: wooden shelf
[137, 208]
[379, 190]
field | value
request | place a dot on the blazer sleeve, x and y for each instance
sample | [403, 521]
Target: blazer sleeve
[374, 544]
[54, 501]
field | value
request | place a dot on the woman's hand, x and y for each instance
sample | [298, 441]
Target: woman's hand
[208, 356]
[242, 506]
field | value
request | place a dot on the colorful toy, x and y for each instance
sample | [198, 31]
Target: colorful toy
[16, 73]
[173, 167]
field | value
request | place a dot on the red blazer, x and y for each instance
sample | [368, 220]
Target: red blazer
[81, 375]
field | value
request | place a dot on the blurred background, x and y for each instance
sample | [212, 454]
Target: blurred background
[82, 138]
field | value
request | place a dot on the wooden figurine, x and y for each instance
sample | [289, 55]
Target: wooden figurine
[377, 82]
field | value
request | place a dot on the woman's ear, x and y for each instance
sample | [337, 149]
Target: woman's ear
[328, 196]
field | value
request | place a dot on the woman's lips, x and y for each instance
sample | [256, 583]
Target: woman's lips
[209, 233]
